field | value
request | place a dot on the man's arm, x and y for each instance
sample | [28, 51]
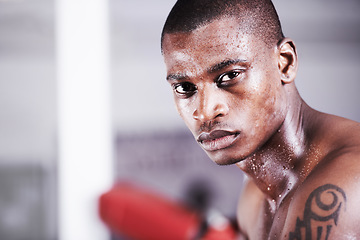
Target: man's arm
[327, 205]
[321, 213]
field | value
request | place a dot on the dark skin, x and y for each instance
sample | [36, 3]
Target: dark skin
[238, 98]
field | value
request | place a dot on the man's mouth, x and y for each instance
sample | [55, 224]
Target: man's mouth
[216, 140]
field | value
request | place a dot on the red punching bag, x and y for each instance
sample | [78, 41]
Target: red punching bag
[142, 215]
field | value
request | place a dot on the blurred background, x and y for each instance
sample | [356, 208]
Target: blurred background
[150, 144]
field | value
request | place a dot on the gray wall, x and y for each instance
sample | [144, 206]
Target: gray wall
[27, 120]
[27, 80]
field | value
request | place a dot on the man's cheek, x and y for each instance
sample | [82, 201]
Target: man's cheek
[184, 107]
[188, 120]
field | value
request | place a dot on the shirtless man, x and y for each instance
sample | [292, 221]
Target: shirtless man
[232, 73]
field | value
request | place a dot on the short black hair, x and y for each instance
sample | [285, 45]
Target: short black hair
[257, 17]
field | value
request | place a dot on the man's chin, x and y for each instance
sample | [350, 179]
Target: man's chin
[222, 160]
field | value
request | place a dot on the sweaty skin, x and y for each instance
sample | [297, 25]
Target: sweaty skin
[238, 98]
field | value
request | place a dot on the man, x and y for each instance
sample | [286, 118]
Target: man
[232, 73]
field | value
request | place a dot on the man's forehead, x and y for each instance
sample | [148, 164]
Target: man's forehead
[196, 50]
[225, 28]
[222, 34]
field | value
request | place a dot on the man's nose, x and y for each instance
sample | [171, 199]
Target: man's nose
[210, 105]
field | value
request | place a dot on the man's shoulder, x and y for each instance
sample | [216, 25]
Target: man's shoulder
[326, 204]
[341, 170]
[341, 164]
[340, 131]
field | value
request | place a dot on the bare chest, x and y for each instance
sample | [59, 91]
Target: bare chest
[266, 222]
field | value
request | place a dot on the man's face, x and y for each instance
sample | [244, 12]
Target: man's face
[226, 87]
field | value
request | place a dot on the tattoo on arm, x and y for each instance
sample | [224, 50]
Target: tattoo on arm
[324, 214]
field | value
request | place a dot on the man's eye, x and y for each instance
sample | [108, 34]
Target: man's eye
[227, 77]
[185, 88]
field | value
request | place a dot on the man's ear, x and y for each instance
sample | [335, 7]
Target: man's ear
[288, 61]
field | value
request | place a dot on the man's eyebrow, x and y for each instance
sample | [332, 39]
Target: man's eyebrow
[176, 76]
[224, 64]
[215, 68]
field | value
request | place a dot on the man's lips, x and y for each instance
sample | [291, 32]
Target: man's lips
[217, 139]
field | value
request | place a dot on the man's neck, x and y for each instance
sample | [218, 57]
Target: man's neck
[287, 158]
